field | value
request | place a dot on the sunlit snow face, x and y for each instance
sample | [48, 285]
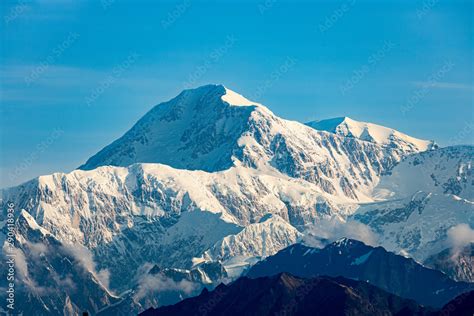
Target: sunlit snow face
[233, 98]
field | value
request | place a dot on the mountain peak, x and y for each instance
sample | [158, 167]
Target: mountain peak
[378, 134]
[198, 129]
[233, 98]
[226, 95]
[288, 281]
[212, 128]
[353, 259]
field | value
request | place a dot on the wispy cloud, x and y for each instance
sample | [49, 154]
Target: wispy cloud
[443, 85]
[334, 229]
[460, 235]
[150, 284]
[85, 257]
[64, 83]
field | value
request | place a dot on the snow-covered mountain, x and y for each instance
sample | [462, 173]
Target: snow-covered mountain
[255, 241]
[421, 199]
[396, 141]
[213, 128]
[198, 129]
[152, 212]
[445, 171]
[210, 176]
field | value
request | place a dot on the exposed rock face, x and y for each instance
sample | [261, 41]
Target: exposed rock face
[458, 263]
[54, 278]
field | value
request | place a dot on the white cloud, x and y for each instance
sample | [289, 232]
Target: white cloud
[21, 266]
[460, 235]
[334, 229]
[37, 249]
[85, 258]
[65, 282]
[149, 284]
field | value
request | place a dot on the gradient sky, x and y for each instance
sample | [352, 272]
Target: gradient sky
[76, 75]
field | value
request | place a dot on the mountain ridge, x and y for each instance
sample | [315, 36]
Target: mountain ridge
[289, 295]
[355, 260]
[198, 130]
[378, 134]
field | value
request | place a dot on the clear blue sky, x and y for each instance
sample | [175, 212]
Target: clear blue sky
[76, 75]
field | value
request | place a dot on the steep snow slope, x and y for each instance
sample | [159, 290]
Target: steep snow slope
[381, 135]
[445, 171]
[66, 204]
[426, 195]
[195, 130]
[417, 225]
[155, 213]
[254, 242]
[200, 129]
